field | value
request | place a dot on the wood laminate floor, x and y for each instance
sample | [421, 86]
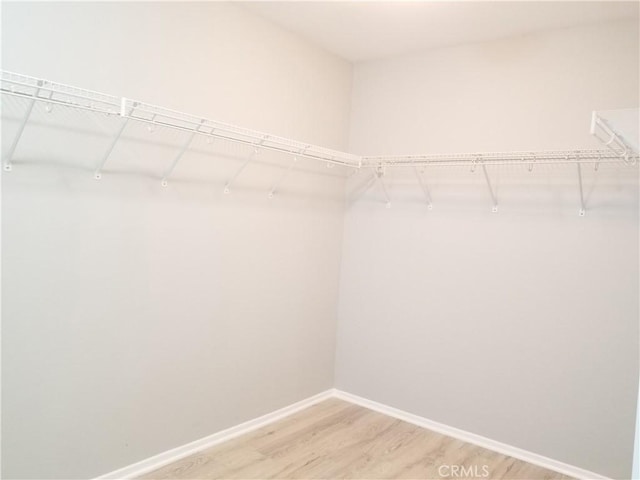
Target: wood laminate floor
[336, 439]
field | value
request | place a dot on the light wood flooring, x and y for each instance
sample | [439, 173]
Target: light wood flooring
[336, 439]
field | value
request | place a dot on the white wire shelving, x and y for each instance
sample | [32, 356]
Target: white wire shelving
[529, 158]
[613, 140]
[38, 90]
[128, 110]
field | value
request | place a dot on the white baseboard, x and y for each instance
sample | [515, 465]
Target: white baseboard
[165, 458]
[469, 437]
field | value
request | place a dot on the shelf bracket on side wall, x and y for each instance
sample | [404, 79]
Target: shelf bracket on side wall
[123, 113]
[582, 209]
[611, 139]
[182, 151]
[363, 188]
[494, 209]
[379, 173]
[6, 164]
[276, 185]
[425, 188]
[227, 186]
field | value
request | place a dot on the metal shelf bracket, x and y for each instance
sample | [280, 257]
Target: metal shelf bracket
[581, 212]
[494, 209]
[123, 113]
[6, 164]
[425, 188]
[227, 186]
[182, 151]
[379, 174]
[287, 172]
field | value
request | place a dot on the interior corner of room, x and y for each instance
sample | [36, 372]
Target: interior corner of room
[320, 239]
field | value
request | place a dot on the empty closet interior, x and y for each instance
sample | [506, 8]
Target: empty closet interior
[213, 211]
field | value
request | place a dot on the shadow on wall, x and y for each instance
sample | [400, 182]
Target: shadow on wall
[517, 189]
[78, 140]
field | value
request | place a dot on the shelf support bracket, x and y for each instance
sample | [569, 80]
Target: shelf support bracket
[273, 190]
[182, 151]
[210, 135]
[582, 209]
[6, 165]
[425, 188]
[379, 173]
[227, 186]
[363, 188]
[494, 209]
[123, 113]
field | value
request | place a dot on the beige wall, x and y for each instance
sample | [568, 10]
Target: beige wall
[520, 326]
[136, 319]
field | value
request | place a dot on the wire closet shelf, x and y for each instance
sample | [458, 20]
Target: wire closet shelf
[38, 90]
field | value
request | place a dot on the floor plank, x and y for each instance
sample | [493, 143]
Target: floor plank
[336, 439]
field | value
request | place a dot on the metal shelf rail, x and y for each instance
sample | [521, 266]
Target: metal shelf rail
[39, 90]
[614, 141]
[474, 160]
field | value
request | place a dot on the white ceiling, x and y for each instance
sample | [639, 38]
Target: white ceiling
[360, 31]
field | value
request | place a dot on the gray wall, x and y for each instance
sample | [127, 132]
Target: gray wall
[520, 326]
[134, 318]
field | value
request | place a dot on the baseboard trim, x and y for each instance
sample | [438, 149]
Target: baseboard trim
[169, 456]
[469, 437]
[175, 454]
